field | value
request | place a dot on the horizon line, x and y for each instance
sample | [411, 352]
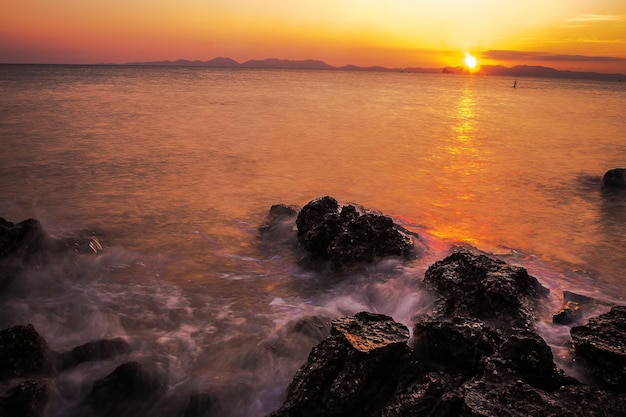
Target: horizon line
[316, 64]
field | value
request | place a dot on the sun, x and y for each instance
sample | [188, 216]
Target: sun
[470, 61]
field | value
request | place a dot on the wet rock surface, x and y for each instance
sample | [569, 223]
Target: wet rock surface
[344, 372]
[601, 346]
[368, 332]
[345, 237]
[615, 178]
[477, 354]
[477, 286]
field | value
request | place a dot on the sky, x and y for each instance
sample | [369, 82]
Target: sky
[580, 35]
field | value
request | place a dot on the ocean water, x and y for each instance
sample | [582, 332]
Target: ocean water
[174, 169]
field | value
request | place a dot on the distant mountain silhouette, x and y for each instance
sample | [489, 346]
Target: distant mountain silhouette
[275, 63]
[536, 71]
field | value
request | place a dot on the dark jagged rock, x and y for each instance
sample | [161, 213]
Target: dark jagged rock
[457, 345]
[601, 346]
[615, 178]
[20, 243]
[568, 314]
[27, 399]
[23, 352]
[26, 244]
[347, 238]
[530, 357]
[465, 360]
[318, 224]
[572, 310]
[24, 238]
[130, 387]
[487, 289]
[92, 351]
[507, 396]
[352, 372]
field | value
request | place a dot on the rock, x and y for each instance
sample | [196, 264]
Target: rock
[456, 345]
[278, 230]
[352, 371]
[464, 360]
[20, 244]
[601, 346]
[577, 298]
[296, 337]
[476, 286]
[478, 354]
[615, 178]
[318, 224]
[24, 238]
[130, 387]
[512, 398]
[347, 238]
[27, 399]
[200, 405]
[277, 216]
[315, 327]
[568, 314]
[23, 352]
[368, 332]
[92, 351]
[26, 244]
[282, 210]
[530, 358]
[81, 243]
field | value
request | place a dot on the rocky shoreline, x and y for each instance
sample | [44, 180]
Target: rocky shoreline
[476, 354]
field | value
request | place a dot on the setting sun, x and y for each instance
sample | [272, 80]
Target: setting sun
[470, 61]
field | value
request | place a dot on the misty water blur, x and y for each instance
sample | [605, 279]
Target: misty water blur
[174, 170]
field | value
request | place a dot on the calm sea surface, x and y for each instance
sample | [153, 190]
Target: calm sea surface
[174, 169]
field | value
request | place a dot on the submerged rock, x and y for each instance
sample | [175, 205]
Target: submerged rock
[92, 351]
[28, 399]
[601, 346]
[26, 244]
[345, 237]
[615, 178]
[132, 386]
[23, 352]
[201, 405]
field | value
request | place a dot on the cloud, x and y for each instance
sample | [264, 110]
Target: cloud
[595, 18]
[504, 55]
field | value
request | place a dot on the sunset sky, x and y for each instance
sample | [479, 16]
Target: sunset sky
[563, 34]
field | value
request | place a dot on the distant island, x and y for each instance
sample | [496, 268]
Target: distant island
[312, 64]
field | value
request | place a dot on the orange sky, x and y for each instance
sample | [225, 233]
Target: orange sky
[563, 34]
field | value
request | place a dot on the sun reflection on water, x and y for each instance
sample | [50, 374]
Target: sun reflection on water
[462, 162]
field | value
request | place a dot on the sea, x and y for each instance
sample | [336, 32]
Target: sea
[172, 170]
